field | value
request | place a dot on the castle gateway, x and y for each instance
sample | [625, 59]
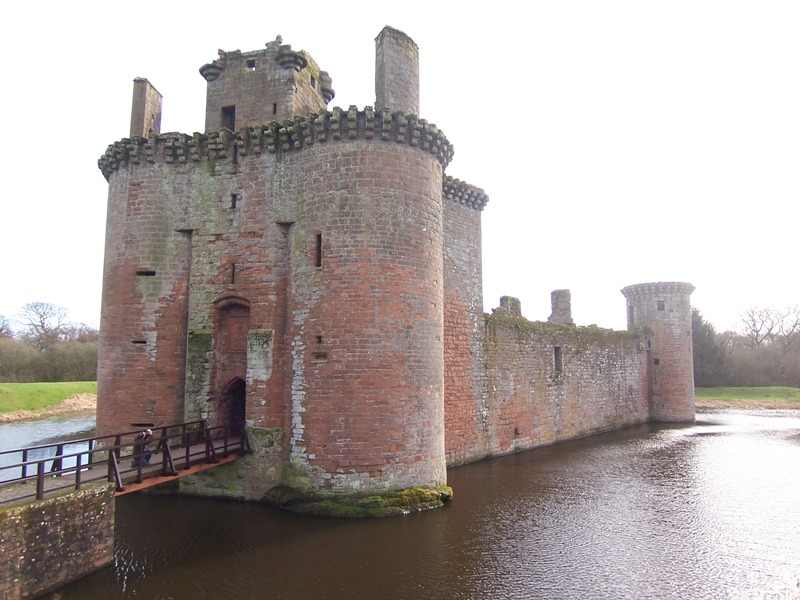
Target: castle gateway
[312, 278]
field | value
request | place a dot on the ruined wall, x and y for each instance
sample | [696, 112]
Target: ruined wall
[46, 543]
[549, 382]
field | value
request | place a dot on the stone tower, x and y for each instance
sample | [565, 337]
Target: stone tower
[664, 310]
[255, 88]
[283, 273]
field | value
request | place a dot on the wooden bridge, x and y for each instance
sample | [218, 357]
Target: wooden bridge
[28, 474]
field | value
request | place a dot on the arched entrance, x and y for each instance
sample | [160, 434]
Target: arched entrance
[233, 324]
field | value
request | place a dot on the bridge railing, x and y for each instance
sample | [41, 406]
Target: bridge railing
[51, 468]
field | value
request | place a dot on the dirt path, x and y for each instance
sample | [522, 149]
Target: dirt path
[73, 404]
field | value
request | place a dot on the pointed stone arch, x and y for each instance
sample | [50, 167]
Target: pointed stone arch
[231, 323]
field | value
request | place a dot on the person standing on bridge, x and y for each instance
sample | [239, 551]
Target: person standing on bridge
[140, 451]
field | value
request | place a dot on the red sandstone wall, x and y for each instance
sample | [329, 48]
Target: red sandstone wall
[465, 397]
[366, 327]
[145, 281]
[602, 385]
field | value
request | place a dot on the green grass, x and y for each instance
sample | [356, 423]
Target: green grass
[36, 396]
[772, 394]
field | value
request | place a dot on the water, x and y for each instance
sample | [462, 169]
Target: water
[38, 432]
[710, 510]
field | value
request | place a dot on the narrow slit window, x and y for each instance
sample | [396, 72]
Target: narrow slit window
[138, 341]
[275, 108]
[229, 117]
[146, 273]
[232, 274]
[313, 82]
[234, 200]
[558, 364]
[318, 251]
[236, 155]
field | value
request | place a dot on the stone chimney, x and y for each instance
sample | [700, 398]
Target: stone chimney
[396, 72]
[561, 304]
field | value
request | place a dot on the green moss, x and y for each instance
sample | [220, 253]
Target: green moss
[386, 504]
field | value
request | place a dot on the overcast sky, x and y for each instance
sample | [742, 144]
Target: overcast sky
[619, 142]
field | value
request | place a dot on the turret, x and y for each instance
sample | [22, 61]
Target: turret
[258, 87]
[664, 310]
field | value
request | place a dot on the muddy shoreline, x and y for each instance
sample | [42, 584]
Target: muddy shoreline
[76, 403]
[88, 403]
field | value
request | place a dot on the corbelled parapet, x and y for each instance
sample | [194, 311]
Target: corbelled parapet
[658, 287]
[464, 193]
[325, 126]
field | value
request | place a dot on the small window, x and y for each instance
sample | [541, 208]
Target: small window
[229, 117]
[251, 65]
[234, 200]
[146, 273]
[318, 252]
[319, 339]
[656, 361]
[275, 108]
[558, 365]
[660, 305]
[313, 82]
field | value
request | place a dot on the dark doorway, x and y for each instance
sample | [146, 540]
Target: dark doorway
[234, 398]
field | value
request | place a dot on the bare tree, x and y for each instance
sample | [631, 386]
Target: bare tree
[42, 323]
[789, 325]
[5, 328]
[760, 325]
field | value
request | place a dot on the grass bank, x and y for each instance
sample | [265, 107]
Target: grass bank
[36, 397]
[756, 397]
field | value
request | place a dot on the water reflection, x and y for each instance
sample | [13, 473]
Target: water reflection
[703, 511]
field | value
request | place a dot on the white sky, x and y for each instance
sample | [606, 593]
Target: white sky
[620, 142]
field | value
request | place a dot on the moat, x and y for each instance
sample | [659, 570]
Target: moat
[702, 511]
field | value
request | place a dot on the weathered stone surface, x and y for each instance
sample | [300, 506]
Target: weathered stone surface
[47, 543]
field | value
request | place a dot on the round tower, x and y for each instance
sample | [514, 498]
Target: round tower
[664, 310]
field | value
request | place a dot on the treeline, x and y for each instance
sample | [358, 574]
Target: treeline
[43, 345]
[764, 352]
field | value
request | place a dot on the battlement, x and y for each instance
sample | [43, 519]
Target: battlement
[464, 193]
[326, 126]
[658, 287]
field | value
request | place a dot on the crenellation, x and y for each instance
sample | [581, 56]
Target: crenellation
[290, 136]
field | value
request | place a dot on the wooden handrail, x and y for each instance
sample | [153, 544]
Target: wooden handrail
[109, 459]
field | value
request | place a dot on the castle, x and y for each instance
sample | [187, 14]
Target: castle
[312, 277]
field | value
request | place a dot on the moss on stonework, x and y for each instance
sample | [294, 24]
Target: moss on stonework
[384, 504]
